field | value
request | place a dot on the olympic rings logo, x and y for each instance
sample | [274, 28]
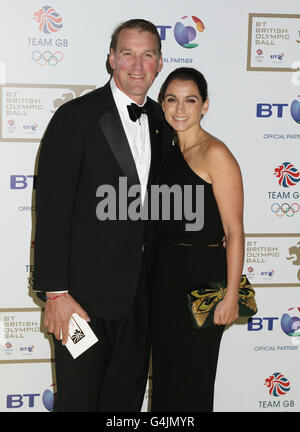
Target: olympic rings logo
[47, 57]
[285, 209]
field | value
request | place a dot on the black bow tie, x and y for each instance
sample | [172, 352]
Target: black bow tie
[136, 111]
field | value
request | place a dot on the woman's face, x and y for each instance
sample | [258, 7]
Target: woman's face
[183, 105]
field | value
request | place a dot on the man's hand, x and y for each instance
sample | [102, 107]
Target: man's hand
[58, 313]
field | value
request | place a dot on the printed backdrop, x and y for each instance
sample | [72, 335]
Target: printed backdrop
[249, 52]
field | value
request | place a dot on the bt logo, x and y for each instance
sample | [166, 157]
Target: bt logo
[264, 110]
[32, 127]
[17, 400]
[277, 56]
[257, 324]
[21, 181]
[184, 35]
[29, 400]
[290, 322]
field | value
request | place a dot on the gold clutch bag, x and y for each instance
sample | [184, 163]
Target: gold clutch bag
[202, 301]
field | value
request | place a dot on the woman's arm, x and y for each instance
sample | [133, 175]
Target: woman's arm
[227, 185]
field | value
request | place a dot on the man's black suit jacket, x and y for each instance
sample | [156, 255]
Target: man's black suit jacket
[84, 147]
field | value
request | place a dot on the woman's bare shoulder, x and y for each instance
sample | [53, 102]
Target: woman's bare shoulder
[216, 155]
[215, 146]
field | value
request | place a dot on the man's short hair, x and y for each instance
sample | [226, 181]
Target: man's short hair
[135, 24]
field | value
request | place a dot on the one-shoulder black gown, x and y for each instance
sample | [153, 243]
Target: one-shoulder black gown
[184, 360]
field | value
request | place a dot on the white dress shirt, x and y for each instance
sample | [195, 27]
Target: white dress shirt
[137, 134]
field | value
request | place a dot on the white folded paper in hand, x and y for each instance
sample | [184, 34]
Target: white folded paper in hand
[81, 336]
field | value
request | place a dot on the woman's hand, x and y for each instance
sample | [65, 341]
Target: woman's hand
[227, 310]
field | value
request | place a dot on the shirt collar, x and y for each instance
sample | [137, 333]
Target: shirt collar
[121, 99]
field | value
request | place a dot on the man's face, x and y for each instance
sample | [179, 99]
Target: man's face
[135, 62]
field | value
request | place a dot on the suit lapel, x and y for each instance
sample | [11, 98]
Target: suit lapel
[156, 136]
[112, 128]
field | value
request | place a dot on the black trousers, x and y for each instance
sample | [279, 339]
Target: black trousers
[112, 374]
[184, 370]
[184, 361]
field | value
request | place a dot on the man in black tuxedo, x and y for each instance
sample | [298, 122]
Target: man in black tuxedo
[100, 265]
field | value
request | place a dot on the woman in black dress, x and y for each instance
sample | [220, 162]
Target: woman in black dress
[184, 360]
